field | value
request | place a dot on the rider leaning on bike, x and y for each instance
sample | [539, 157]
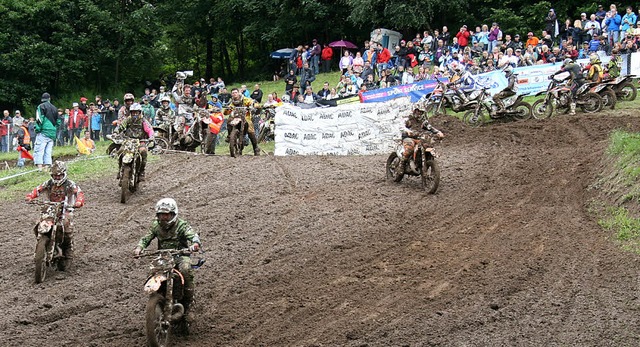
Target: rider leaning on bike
[136, 127]
[173, 233]
[415, 128]
[60, 189]
[238, 100]
[577, 80]
[510, 90]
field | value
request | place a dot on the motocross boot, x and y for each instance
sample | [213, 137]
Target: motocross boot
[67, 248]
[572, 109]
[254, 144]
[143, 166]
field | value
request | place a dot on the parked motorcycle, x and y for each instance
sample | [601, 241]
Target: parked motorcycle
[423, 163]
[268, 125]
[49, 232]
[237, 122]
[165, 286]
[486, 109]
[558, 96]
[624, 87]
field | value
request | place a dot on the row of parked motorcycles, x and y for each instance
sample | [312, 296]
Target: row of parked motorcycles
[480, 107]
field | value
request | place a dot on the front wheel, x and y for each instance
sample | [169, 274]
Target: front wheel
[41, 259]
[523, 111]
[591, 102]
[435, 109]
[125, 178]
[393, 168]
[430, 175]
[209, 145]
[161, 145]
[476, 117]
[627, 91]
[155, 323]
[234, 143]
[542, 109]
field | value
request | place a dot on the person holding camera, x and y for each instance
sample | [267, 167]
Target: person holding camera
[613, 21]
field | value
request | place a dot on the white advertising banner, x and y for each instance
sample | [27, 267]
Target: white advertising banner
[351, 129]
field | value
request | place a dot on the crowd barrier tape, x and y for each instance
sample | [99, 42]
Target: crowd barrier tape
[349, 129]
[531, 80]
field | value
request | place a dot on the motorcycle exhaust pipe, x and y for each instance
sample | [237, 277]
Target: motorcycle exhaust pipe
[177, 311]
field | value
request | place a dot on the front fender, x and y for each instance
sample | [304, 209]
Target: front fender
[154, 282]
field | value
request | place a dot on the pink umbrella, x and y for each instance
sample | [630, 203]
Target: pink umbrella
[343, 44]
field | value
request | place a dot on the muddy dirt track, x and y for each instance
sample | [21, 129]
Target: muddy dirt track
[322, 251]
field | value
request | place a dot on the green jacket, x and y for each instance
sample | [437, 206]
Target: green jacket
[178, 237]
[47, 128]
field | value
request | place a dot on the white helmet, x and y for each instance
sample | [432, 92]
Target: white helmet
[135, 107]
[167, 205]
[165, 98]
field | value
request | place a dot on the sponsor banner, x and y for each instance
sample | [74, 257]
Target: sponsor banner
[415, 91]
[350, 129]
[633, 67]
[535, 78]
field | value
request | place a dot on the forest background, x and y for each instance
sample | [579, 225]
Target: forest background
[88, 47]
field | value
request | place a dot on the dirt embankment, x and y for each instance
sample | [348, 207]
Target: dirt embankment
[322, 251]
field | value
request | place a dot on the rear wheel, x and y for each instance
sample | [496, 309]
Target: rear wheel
[430, 175]
[590, 102]
[523, 111]
[608, 98]
[627, 91]
[161, 145]
[392, 168]
[157, 330]
[542, 109]
[41, 259]
[435, 109]
[263, 133]
[124, 183]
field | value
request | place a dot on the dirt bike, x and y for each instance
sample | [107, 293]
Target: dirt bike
[558, 96]
[49, 234]
[165, 286]
[237, 122]
[129, 164]
[624, 87]
[445, 95]
[423, 163]
[606, 93]
[514, 109]
[267, 125]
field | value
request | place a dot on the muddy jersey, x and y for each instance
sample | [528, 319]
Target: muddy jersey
[165, 116]
[133, 128]
[123, 113]
[54, 193]
[179, 236]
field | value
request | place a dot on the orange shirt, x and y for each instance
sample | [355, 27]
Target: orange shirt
[533, 41]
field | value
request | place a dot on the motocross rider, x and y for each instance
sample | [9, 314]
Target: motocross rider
[124, 110]
[239, 100]
[576, 80]
[136, 127]
[415, 128]
[173, 233]
[58, 189]
[465, 80]
[595, 70]
[165, 117]
[510, 90]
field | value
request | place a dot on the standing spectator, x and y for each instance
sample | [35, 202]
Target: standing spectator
[426, 39]
[257, 93]
[290, 80]
[17, 121]
[326, 55]
[61, 133]
[445, 36]
[600, 14]
[592, 28]
[83, 106]
[345, 61]
[315, 53]
[463, 37]
[163, 93]
[307, 76]
[108, 116]
[358, 63]
[612, 22]
[154, 100]
[382, 58]
[148, 112]
[551, 24]
[5, 130]
[628, 23]
[75, 121]
[46, 126]
[566, 30]
[24, 141]
[96, 124]
[370, 56]
[494, 32]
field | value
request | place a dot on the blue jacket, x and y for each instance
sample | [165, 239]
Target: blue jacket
[96, 121]
[631, 18]
[613, 24]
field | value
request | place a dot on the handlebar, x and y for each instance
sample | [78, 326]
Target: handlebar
[45, 203]
[172, 252]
